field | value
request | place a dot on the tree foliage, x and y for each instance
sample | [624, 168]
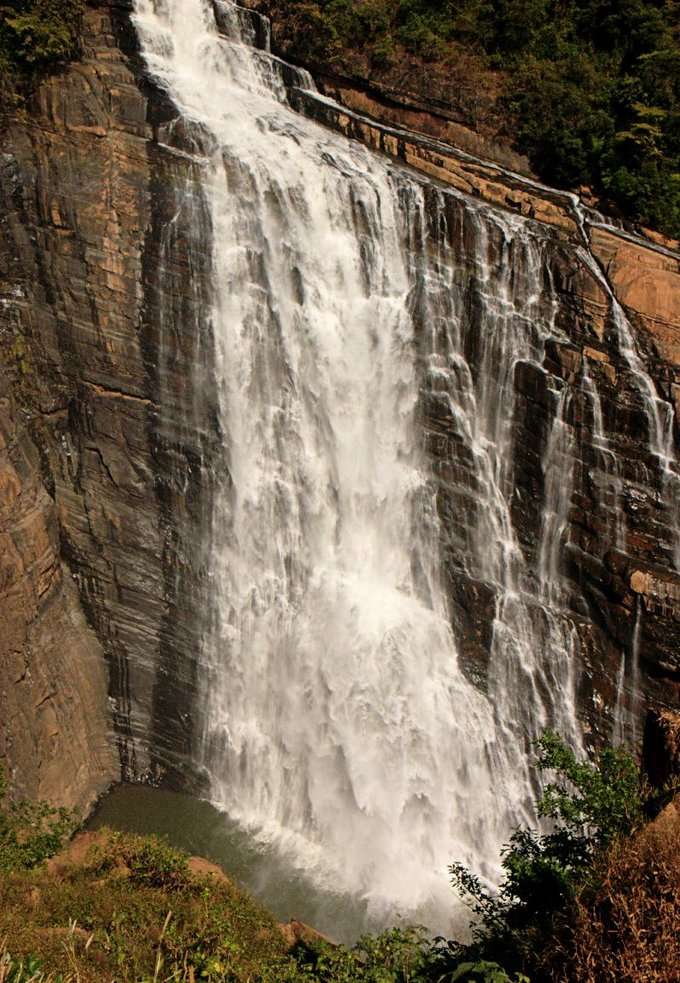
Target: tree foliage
[37, 34]
[592, 87]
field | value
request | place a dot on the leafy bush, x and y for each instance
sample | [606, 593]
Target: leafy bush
[148, 861]
[36, 34]
[485, 972]
[395, 956]
[592, 807]
[30, 832]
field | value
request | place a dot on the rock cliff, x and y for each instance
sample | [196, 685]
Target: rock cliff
[103, 493]
[109, 442]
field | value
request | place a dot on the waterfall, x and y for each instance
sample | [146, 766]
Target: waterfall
[627, 709]
[610, 490]
[557, 498]
[337, 718]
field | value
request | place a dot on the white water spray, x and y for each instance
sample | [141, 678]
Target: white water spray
[336, 718]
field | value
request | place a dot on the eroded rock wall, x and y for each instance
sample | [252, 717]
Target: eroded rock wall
[55, 730]
[104, 428]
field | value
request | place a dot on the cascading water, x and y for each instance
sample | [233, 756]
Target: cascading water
[336, 718]
[608, 464]
[558, 496]
[627, 709]
[659, 412]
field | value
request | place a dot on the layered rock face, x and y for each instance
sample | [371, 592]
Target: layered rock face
[110, 444]
[104, 432]
[54, 684]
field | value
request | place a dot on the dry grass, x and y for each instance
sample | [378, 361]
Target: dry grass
[28, 970]
[628, 930]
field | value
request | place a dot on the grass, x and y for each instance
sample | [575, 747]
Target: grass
[132, 909]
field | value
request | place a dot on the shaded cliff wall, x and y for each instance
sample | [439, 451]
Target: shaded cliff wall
[106, 420]
[109, 442]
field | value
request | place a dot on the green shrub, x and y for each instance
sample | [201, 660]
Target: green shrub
[394, 956]
[30, 832]
[38, 34]
[148, 861]
[591, 807]
[485, 972]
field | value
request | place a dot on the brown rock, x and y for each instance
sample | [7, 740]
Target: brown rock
[295, 932]
[77, 851]
[443, 164]
[661, 751]
[201, 867]
[603, 361]
[98, 489]
[647, 282]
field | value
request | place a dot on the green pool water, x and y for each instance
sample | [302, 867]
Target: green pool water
[199, 828]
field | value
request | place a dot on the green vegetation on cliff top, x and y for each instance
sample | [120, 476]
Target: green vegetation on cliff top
[590, 89]
[597, 898]
[37, 34]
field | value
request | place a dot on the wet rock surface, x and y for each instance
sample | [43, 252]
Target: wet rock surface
[661, 750]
